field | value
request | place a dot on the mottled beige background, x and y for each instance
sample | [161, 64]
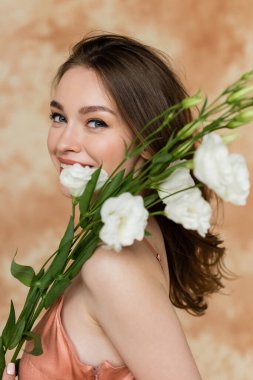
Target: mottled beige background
[210, 42]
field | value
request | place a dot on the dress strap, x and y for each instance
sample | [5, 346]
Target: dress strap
[156, 254]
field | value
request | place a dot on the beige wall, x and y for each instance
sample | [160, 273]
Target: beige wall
[210, 42]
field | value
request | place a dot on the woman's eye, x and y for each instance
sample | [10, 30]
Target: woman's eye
[57, 117]
[97, 123]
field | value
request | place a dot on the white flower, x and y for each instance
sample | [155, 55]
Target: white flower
[125, 219]
[180, 179]
[225, 173]
[103, 176]
[189, 209]
[75, 178]
[187, 206]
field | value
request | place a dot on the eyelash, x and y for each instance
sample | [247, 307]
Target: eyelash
[53, 115]
[101, 123]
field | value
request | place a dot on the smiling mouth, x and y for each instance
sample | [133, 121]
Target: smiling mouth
[64, 165]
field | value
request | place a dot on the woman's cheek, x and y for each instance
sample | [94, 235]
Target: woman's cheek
[50, 148]
[110, 153]
[50, 141]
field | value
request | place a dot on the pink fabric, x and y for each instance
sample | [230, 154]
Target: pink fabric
[59, 360]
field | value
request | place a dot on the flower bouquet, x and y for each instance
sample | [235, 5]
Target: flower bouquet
[118, 212]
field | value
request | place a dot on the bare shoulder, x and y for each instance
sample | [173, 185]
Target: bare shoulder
[133, 266]
[107, 269]
[127, 299]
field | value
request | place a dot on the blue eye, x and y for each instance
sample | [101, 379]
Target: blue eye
[57, 117]
[97, 123]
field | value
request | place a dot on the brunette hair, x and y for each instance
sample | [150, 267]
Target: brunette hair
[143, 85]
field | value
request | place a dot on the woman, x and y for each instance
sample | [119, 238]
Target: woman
[117, 320]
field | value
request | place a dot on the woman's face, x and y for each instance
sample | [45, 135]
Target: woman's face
[86, 125]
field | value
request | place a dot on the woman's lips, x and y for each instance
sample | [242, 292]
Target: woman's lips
[67, 162]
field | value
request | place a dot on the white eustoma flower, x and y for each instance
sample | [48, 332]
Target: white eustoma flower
[226, 174]
[75, 178]
[103, 176]
[190, 209]
[183, 205]
[180, 179]
[125, 219]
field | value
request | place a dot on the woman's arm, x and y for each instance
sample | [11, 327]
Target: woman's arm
[134, 310]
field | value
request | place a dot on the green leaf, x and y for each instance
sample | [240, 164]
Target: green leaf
[60, 259]
[162, 175]
[150, 199]
[89, 190]
[156, 169]
[112, 186]
[86, 240]
[10, 324]
[80, 247]
[2, 358]
[37, 278]
[31, 300]
[39, 274]
[37, 348]
[66, 241]
[143, 146]
[130, 183]
[23, 273]
[203, 107]
[84, 255]
[56, 290]
[17, 333]
[164, 158]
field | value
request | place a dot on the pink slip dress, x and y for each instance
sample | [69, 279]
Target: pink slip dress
[59, 359]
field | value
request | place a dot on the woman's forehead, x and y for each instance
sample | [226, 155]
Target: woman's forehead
[84, 85]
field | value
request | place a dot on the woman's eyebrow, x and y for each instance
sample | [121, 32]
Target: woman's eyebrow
[85, 109]
[56, 104]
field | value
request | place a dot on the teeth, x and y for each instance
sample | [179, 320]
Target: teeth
[65, 166]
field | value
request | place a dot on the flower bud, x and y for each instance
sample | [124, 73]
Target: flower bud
[238, 95]
[245, 116]
[241, 118]
[192, 101]
[230, 138]
[182, 149]
[188, 129]
[233, 124]
[247, 75]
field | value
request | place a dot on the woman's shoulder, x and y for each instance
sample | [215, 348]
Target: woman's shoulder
[108, 265]
[132, 267]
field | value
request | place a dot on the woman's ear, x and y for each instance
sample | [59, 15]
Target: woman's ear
[146, 154]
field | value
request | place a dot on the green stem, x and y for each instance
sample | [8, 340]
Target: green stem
[18, 348]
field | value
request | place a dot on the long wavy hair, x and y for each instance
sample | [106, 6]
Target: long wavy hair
[142, 83]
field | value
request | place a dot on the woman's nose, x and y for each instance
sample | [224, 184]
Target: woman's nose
[70, 139]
